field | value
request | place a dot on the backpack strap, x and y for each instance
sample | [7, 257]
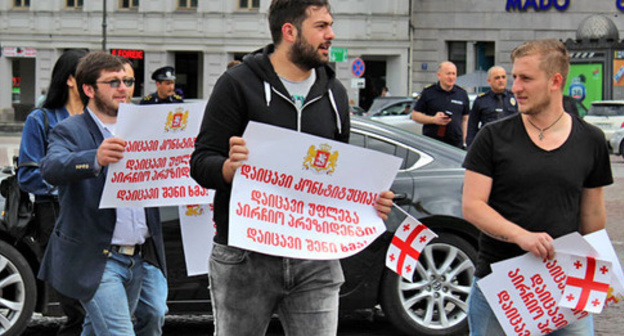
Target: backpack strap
[46, 122]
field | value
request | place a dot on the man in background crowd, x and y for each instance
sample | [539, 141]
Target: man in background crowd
[443, 108]
[165, 88]
[492, 105]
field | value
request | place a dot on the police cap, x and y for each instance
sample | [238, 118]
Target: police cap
[164, 73]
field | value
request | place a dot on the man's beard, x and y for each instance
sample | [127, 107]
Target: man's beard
[304, 55]
[103, 106]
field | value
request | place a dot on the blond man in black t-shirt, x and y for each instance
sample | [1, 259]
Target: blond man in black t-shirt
[534, 176]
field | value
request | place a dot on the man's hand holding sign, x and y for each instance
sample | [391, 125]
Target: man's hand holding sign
[110, 151]
[305, 200]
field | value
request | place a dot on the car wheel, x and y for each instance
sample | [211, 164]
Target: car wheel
[18, 291]
[436, 302]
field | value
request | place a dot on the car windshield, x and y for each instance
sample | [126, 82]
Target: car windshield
[605, 110]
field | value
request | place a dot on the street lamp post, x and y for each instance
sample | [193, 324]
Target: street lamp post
[104, 25]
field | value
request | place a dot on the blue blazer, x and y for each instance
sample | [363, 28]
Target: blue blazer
[75, 258]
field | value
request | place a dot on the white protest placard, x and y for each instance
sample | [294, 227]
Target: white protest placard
[302, 196]
[524, 292]
[600, 241]
[198, 230]
[155, 168]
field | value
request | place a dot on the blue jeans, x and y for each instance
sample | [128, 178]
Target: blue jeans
[152, 307]
[109, 311]
[247, 288]
[482, 320]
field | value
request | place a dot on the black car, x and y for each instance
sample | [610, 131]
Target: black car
[428, 186]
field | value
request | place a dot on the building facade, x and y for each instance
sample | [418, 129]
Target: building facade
[477, 34]
[400, 41]
[197, 37]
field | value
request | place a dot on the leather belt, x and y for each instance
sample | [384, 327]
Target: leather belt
[129, 250]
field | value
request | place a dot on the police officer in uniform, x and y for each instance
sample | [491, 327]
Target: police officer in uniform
[165, 86]
[492, 105]
[443, 108]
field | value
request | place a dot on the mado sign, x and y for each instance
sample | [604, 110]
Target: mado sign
[538, 5]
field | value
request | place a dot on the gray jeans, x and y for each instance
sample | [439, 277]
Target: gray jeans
[247, 288]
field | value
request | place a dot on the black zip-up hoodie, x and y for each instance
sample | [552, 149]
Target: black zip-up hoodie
[253, 91]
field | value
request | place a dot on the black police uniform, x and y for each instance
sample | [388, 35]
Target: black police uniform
[434, 99]
[488, 107]
[154, 99]
[162, 74]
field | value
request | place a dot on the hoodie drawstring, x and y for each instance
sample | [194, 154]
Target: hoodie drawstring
[333, 104]
[267, 93]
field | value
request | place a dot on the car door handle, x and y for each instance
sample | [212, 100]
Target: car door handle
[399, 197]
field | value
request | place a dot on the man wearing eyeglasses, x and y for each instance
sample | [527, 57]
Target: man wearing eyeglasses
[97, 255]
[165, 88]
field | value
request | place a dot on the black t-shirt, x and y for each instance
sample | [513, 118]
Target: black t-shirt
[536, 189]
[433, 100]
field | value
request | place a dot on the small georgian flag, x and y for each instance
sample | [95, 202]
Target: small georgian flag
[409, 240]
[587, 284]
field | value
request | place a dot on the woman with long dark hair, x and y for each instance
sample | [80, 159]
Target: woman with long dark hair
[61, 102]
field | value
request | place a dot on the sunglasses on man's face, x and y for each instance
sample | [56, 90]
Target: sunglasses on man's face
[115, 83]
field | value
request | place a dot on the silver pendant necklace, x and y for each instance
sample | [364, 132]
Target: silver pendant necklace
[542, 130]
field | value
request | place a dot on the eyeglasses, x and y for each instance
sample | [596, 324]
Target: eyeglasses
[115, 83]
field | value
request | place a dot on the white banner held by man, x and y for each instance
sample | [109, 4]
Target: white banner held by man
[524, 292]
[155, 168]
[303, 196]
[198, 230]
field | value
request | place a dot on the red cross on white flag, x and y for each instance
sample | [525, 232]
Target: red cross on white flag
[409, 240]
[587, 284]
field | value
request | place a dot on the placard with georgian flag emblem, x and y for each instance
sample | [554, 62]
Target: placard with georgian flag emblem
[587, 284]
[409, 240]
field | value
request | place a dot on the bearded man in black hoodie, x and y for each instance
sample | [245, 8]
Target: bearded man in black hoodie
[286, 84]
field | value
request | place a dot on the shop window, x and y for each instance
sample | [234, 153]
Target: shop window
[21, 4]
[457, 55]
[248, 4]
[129, 4]
[484, 55]
[187, 4]
[73, 4]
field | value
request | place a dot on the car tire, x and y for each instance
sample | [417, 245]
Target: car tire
[18, 291]
[442, 282]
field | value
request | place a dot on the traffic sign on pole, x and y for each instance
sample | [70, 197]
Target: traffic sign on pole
[358, 67]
